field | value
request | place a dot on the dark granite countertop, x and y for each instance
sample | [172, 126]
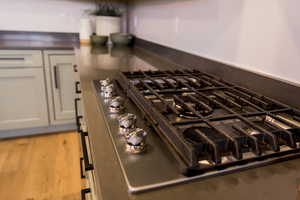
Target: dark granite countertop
[26, 40]
[273, 182]
[37, 45]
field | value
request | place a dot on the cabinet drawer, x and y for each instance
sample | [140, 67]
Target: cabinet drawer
[20, 58]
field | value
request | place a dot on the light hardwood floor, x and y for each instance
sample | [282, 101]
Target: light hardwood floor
[40, 168]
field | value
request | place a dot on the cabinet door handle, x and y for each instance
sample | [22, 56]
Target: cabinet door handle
[75, 68]
[88, 166]
[84, 192]
[77, 91]
[81, 168]
[55, 77]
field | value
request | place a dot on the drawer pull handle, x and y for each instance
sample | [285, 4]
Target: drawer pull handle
[78, 124]
[77, 91]
[75, 68]
[84, 192]
[8, 59]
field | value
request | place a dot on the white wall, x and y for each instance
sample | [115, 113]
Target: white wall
[261, 36]
[43, 15]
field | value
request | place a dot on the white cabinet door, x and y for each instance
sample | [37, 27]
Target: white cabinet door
[22, 98]
[61, 87]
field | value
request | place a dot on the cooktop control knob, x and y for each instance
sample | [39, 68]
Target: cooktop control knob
[116, 105]
[136, 141]
[127, 123]
[108, 91]
[105, 83]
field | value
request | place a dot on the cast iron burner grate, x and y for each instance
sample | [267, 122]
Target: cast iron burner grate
[210, 124]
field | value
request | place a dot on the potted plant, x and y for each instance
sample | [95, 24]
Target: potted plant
[108, 18]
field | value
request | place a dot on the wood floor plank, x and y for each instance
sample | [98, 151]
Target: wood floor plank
[40, 168]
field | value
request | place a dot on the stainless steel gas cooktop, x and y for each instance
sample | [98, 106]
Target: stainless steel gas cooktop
[170, 127]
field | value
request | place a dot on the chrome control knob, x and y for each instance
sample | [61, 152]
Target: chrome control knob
[108, 91]
[136, 141]
[105, 83]
[116, 105]
[127, 123]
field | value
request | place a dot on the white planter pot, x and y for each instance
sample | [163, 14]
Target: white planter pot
[85, 29]
[107, 25]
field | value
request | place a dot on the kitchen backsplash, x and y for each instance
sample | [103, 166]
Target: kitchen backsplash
[44, 15]
[261, 36]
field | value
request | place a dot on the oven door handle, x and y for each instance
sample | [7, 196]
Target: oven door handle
[84, 192]
[87, 165]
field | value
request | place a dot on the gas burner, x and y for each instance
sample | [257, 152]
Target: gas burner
[251, 131]
[184, 111]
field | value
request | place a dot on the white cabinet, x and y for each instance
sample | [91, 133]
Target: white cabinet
[60, 74]
[22, 98]
[36, 93]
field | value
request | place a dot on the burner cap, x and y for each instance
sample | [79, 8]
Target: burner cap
[186, 113]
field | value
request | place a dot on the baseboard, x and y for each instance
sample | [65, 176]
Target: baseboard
[4, 134]
[281, 90]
